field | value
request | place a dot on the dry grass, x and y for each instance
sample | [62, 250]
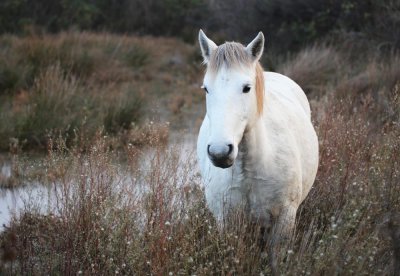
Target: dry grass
[85, 82]
[147, 215]
[340, 223]
[313, 68]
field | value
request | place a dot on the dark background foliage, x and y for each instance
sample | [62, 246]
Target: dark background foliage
[289, 23]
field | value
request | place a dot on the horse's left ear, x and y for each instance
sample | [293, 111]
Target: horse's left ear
[207, 46]
[256, 47]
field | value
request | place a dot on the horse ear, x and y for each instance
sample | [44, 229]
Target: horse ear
[206, 46]
[256, 47]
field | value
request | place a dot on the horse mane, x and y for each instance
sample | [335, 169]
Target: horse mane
[233, 54]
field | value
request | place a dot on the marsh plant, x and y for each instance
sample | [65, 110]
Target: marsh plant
[59, 84]
[149, 217]
[137, 207]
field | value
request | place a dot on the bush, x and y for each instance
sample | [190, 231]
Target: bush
[74, 82]
[53, 105]
[8, 79]
[290, 24]
[132, 221]
[136, 57]
[314, 69]
[123, 113]
[58, 105]
[146, 214]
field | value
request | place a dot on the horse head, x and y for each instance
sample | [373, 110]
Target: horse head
[234, 86]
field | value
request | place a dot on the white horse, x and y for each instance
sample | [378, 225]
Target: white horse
[255, 149]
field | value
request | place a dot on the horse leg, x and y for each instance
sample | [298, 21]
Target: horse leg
[281, 232]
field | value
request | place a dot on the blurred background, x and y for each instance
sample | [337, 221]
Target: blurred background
[288, 24]
[100, 105]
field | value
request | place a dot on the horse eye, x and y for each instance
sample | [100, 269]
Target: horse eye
[205, 88]
[246, 88]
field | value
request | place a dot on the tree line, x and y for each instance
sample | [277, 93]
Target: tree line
[290, 23]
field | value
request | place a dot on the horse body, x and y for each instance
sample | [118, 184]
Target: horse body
[274, 153]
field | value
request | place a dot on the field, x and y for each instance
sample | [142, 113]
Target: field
[104, 116]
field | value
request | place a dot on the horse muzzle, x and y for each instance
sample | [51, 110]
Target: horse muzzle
[221, 155]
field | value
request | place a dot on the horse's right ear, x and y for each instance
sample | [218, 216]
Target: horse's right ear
[206, 46]
[256, 47]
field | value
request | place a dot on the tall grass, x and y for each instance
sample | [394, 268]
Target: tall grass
[147, 214]
[313, 68]
[152, 219]
[51, 84]
[58, 104]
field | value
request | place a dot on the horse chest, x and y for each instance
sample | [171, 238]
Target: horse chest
[254, 180]
[266, 181]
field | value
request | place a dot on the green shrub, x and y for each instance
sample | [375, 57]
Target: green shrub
[54, 105]
[136, 57]
[59, 84]
[71, 55]
[59, 104]
[8, 79]
[126, 110]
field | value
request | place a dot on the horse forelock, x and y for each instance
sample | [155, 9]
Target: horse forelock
[229, 54]
[233, 54]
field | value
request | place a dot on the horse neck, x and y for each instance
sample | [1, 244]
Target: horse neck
[252, 147]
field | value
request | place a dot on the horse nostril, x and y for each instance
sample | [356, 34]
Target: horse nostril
[230, 149]
[219, 151]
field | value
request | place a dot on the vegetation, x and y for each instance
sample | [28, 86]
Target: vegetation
[290, 24]
[154, 221]
[80, 82]
[124, 209]
[98, 106]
